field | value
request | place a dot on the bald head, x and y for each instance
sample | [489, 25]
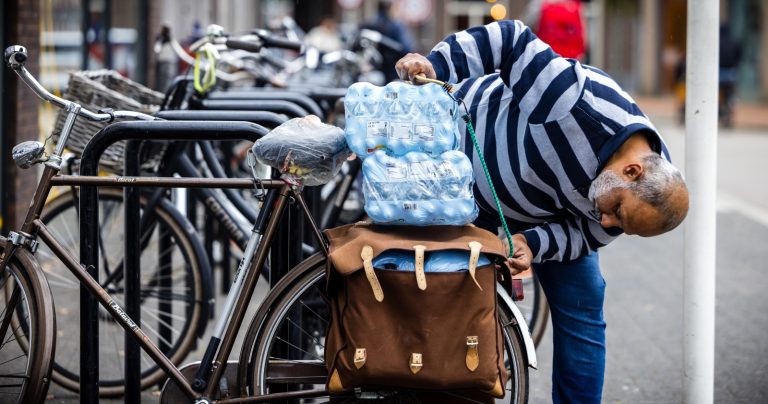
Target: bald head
[662, 187]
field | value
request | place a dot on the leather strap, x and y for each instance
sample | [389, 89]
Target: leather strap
[473, 358]
[474, 257]
[334, 383]
[421, 278]
[498, 389]
[367, 256]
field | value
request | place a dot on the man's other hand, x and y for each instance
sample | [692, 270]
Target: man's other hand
[522, 256]
[413, 64]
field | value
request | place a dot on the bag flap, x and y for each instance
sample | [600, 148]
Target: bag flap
[346, 242]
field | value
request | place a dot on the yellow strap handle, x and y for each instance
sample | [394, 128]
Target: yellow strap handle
[208, 80]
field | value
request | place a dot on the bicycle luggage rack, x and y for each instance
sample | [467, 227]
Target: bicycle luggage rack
[136, 132]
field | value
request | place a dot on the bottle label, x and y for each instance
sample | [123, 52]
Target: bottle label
[376, 129]
[424, 132]
[400, 130]
[397, 172]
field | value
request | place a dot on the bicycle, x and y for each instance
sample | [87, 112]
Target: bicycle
[27, 322]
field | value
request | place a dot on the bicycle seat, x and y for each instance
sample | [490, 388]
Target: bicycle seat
[304, 149]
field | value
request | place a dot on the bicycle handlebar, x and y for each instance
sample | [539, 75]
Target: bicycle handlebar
[272, 41]
[16, 55]
[252, 43]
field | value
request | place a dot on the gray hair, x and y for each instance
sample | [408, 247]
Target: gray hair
[661, 185]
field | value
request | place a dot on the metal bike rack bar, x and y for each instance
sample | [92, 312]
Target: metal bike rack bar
[263, 118]
[89, 221]
[299, 99]
[132, 273]
[279, 106]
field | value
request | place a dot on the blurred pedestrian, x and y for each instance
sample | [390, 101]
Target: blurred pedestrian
[730, 56]
[393, 29]
[166, 60]
[325, 37]
[559, 23]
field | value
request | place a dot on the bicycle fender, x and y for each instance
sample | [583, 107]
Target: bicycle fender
[522, 327]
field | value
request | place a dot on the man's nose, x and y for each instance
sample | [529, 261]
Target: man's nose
[609, 221]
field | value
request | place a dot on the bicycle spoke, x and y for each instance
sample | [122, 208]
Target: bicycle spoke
[306, 333]
[299, 348]
[319, 317]
[156, 333]
[154, 315]
[62, 280]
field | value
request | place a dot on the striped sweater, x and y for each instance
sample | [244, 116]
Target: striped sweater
[547, 125]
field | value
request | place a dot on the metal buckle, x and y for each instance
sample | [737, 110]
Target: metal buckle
[416, 362]
[472, 341]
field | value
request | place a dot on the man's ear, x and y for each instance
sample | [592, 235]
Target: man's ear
[632, 171]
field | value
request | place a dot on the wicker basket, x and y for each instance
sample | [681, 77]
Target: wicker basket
[99, 89]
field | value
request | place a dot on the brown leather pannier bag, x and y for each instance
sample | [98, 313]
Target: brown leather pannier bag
[434, 331]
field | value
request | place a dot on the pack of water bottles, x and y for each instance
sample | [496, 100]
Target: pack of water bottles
[408, 138]
[400, 118]
[418, 189]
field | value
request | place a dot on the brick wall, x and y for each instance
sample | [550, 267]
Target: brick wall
[21, 121]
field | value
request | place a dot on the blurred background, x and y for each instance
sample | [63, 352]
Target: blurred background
[640, 43]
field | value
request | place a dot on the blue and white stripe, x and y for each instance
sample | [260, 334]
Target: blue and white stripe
[547, 125]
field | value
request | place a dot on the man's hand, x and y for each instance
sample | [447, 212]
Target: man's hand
[522, 256]
[412, 64]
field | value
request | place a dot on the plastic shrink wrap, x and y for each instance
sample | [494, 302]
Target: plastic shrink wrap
[418, 189]
[304, 149]
[400, 118]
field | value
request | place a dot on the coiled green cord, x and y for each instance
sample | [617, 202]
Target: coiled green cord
[471, 131]
[449, 90]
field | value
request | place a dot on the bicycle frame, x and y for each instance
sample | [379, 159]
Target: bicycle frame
[283, 191]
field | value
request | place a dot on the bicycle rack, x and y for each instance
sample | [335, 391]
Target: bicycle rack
[89, 224]
[264, 118]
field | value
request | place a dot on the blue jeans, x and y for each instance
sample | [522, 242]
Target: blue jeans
[576, 291]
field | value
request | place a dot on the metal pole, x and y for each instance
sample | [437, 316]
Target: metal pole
[132, 273]
[700, 228]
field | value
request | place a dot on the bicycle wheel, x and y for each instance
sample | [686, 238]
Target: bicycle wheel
[172, 290]
[27, 334]
[299, 311]
[534, 306]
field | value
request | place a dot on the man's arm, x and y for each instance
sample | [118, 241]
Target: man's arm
[566, 239]
[539, 78]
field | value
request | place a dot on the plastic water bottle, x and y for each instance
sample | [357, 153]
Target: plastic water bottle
[451, 261]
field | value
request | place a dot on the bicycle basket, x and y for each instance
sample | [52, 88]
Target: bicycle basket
[97, 89]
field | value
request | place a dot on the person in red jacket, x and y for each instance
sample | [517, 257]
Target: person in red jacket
[561, 26]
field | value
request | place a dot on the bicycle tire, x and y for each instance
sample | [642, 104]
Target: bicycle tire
[309, 370]
[183, 293]
[27, 334]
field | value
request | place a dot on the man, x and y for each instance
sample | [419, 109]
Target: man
[575, 164]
